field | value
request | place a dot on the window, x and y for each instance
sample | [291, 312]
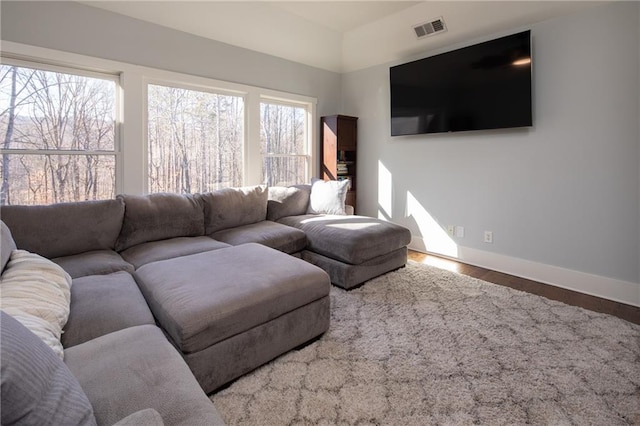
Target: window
[69, 134]
[284, 144]
[195, 140]
[58, 130]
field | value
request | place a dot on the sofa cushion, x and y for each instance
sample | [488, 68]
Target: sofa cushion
[64, 229]
[37, 387]
[36, 292]
[328, 197]
[137, 368]
[159, 216]
[7, 245]
[231, 207]
[146, 417]
[101, 304]
[97, 262]
[350, 239]
[270, 234]
[204, 298]
[166, 249]
[287, 201]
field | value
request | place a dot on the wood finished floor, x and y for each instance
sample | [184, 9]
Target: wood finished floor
[620, 310]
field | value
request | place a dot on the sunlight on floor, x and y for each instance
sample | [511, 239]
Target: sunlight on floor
[435, 261]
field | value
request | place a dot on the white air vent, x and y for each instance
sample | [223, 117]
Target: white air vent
[430, 28]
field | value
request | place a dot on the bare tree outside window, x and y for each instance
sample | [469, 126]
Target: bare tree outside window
[284, 147]
[58, 136]
[195, 140]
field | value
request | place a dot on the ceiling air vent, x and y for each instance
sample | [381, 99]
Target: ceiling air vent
[430, 28]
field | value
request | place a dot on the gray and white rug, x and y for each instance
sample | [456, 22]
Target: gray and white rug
[424, 346]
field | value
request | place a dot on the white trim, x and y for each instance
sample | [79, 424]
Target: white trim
[607, 288]
[30, 63]
[252, 159]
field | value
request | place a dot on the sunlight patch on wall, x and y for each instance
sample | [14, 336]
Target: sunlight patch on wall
[385, 192]
[435, 238]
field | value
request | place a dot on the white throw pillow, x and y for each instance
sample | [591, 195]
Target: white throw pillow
[328, 197]
[37, 292]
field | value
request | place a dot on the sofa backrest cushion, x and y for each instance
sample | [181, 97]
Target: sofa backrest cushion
[7, 245]
[37, 387]
[230, 207]
[159, 216]
[64, 229]
[287, 201]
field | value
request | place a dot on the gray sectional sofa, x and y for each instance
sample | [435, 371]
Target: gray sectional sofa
[173, 296]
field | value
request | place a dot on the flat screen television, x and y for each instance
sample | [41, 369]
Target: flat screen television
[484, 86]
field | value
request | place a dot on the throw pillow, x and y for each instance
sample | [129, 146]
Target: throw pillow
[328, 197]
[37, 387]
[37, 292]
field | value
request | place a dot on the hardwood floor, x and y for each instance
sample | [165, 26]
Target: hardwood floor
[620, 310]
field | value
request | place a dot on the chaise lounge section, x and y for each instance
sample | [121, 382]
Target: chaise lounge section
[351, 249]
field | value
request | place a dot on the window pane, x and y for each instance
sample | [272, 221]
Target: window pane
[56, 111]
[195, 140]
[282, 129]
[283, 144]
[284, 171]
[46, 179]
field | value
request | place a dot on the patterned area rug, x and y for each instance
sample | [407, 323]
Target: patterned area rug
[424, 346]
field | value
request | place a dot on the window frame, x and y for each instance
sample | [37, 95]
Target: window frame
[131, 125]
[195, 84]
[310, 148]
[10, 59]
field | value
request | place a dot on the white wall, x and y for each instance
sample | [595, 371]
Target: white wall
[561, 197]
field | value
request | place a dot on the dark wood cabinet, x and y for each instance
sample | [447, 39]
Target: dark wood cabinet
[339, 135]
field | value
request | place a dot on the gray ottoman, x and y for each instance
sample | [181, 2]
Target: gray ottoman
[231, 310]
[352, 249]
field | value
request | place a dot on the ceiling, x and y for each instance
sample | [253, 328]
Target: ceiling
[341, 36]
[342, 16]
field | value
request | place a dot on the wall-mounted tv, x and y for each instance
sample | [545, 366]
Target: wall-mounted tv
[484, 86]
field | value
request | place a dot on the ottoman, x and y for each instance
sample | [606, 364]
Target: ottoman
[352, 249]
[231, 310]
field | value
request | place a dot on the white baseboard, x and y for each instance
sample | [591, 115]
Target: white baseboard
[595, 285]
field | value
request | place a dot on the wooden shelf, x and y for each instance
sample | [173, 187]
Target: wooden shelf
[339, 135]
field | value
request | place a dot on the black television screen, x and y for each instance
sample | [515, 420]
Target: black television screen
[484, 86]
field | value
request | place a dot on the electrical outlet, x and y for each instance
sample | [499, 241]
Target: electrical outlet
[451, 230]
[488, 237]
[460, 231]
